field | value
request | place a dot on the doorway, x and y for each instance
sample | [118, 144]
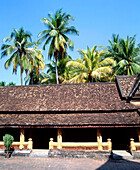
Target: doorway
[41, 136]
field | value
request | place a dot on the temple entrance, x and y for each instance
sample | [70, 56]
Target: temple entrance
[41, 136]
[120, 137]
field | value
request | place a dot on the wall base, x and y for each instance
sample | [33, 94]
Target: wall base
[79, 154]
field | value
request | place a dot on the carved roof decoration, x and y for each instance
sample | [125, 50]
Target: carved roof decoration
[128, 85]
[135, 90]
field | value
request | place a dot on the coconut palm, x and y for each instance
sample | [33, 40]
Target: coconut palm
[126, 55]
[63, 71]
[91, 67]
[129, 63]
[35, 65]
[112, 49]
[19, 50]
[56, 35]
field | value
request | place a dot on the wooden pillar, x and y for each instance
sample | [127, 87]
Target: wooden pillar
[99, 139]
[51, 143]
[30, 144]
[22, 138]
[59, 138]
[109, 144]
[132, 145]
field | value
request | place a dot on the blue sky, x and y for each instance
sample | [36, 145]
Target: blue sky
[95, 20]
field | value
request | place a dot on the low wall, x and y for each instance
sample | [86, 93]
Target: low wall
[25, 152]
[13, 147]
[81, 145]
[136, 154]
[19, 145]
[79, 154]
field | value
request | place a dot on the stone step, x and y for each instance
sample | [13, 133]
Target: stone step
[121, 154]
[39, 153]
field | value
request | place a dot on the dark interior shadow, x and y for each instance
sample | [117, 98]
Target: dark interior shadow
[119, 164]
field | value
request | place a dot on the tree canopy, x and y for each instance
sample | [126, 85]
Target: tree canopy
[120, 57]
[56, 35]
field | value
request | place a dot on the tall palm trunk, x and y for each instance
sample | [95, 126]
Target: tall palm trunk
[31, 76]
[56, 70]
[21, 76]
[38, 75]
[21, 70]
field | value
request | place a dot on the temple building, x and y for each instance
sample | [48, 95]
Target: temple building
[96, 116]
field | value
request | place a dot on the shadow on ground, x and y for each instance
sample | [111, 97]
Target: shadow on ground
[120, 164]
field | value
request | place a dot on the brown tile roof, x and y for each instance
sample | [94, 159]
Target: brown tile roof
[125, 84]
[74, 97]
[71, 119]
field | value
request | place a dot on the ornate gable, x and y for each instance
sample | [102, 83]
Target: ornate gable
[129, 87]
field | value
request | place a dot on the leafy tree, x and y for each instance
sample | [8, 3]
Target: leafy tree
[91, 67]
[56, 35]
[18, 50]
[8, 140]
[125, 54]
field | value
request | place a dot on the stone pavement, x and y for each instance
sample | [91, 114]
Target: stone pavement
[36, 163]
[121, 154]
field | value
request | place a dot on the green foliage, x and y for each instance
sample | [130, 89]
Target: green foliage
[8, 140]
[63, 72]
[11, 84]
[91, 67]
[36, 65]
[2, 83]
[126, 55]
[56, 35]
[19, 50]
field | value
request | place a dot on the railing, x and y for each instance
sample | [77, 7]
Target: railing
[98, 145]
[134, 146]
[21, 145]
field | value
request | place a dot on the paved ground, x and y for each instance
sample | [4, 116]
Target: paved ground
[67, 164]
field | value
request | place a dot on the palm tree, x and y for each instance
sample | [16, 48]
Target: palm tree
[56, 36]
[36, 63]
[63, 71]
[19, 50]
[91, 67]
[112, 49]
[126, 55]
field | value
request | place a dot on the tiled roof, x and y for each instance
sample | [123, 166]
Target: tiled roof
[74, 97]
[71, 119]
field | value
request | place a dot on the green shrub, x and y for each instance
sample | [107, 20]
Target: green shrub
[8, 140]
